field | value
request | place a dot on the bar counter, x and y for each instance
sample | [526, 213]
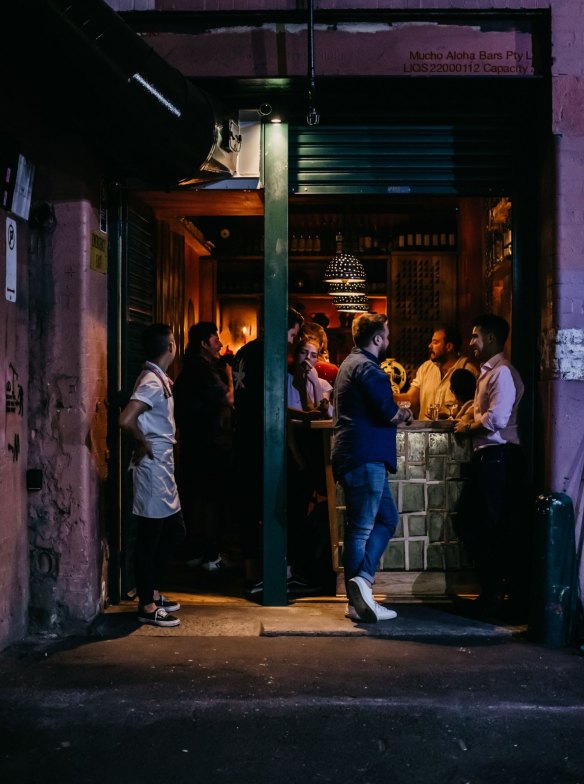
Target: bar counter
[424, 558]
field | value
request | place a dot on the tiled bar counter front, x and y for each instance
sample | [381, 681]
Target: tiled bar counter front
[424, 557]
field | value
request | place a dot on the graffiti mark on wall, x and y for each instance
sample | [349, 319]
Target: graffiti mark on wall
[14, 394]
[15, 448]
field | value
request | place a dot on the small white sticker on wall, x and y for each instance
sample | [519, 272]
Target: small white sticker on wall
[11, 236]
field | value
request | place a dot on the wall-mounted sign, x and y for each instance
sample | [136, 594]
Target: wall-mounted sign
[98, 254]
[11, 253]
[501, 47]
[427, 49]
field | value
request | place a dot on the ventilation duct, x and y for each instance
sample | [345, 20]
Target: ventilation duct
[142, 114]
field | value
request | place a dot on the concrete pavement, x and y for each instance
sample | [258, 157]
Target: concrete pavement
[250, 694]
[215, 615]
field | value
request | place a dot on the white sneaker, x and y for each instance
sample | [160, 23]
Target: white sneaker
[361, 598]
[382, 613]
[351, 612]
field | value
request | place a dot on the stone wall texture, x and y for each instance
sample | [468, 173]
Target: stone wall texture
[14, 441]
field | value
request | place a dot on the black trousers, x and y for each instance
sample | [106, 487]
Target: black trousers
[492, 516]
[156, 539]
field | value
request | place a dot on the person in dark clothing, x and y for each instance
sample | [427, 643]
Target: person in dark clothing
[203, 393]
[308, 398]
[463, 385]
[363, 452]
[248, 445]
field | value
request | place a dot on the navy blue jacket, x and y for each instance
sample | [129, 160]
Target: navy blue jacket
[363, 409]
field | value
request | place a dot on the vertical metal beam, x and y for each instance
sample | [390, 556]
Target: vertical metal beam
[115, 335]
[275, 356]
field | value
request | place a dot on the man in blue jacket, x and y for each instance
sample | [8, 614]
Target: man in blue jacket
[363, 453]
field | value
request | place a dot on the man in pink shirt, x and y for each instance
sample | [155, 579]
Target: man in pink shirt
[490, 507]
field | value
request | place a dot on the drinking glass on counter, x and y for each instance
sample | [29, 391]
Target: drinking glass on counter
[433, 410]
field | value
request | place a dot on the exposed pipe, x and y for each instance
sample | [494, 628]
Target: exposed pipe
[140, 112]
[312, 116]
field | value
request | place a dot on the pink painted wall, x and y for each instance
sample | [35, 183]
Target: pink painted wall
[13, 443]
[68, 420]
[565, 294]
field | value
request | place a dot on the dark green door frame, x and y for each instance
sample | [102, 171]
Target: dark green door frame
[275, 162]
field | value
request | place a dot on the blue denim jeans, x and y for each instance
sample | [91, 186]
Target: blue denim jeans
[371, 519]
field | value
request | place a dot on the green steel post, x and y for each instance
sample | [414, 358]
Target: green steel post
[275, 356]
[554, 602]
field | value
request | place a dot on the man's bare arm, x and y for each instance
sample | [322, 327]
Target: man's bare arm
[129, 423]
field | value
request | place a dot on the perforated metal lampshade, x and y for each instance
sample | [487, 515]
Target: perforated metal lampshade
[349, 288]
[344, 267]
[354, 303]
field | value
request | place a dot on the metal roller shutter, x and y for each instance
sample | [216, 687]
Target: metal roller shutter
[470, 158]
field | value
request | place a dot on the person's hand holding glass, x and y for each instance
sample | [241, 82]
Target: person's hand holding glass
[452, 408]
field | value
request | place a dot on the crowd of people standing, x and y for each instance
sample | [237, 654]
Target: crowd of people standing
[217, 403]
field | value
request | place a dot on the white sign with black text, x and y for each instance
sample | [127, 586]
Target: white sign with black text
[11, 235]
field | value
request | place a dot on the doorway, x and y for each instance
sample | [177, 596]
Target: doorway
[461, 196]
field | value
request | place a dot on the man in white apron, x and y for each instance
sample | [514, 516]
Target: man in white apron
[149, 419]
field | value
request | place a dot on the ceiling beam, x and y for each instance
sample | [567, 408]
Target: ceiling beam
[177, 204]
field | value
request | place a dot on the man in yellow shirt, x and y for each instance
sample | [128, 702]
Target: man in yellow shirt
[432, 382]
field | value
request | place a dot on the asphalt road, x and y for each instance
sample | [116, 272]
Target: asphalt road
[139, 709]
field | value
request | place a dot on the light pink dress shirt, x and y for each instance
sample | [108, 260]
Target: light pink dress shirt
[498, 393]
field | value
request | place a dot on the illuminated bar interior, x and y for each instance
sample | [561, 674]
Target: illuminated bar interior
[427, 261]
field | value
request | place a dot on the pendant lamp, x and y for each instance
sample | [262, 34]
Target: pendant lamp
[350, 288]
[344, 268]
[355, 303]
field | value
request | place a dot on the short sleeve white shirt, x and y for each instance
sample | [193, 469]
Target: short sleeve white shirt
[435, 388]
[155, 491]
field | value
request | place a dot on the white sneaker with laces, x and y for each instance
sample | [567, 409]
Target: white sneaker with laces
[383, 613]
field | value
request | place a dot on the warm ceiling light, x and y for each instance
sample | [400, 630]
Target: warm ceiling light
[348, 287]
[344, 267]
[357, 303]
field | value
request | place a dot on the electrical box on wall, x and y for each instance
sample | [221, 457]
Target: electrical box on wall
[17, 175]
